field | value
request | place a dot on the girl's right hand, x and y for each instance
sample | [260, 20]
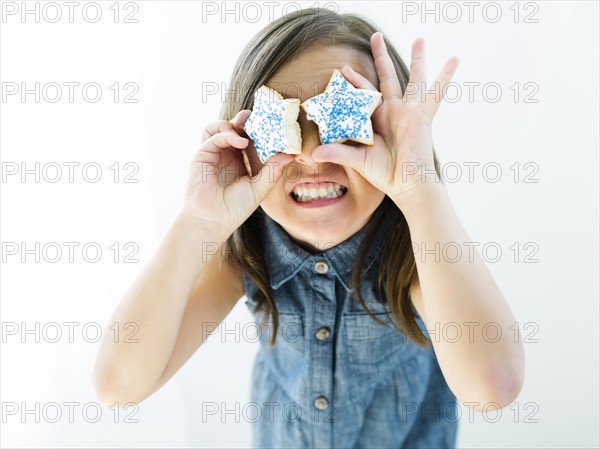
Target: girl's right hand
[223, 188]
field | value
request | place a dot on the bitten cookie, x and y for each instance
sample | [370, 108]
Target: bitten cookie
[273, 124]
[343, 112]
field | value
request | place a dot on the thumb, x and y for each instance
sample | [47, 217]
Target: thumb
[269, 174]
[341, 154]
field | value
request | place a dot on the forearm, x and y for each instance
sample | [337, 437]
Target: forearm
[478, 363]
[155, 304]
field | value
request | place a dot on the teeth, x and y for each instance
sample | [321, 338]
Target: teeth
[325, 190]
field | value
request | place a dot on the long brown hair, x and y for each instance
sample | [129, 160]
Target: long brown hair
[272, 47]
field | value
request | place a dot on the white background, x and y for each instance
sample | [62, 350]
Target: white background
[169, 53]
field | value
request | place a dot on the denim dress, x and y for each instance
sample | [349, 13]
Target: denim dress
[336, 378]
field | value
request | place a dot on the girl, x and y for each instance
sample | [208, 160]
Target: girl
[349, 360]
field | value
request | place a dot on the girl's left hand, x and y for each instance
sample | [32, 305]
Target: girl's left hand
[403, 145]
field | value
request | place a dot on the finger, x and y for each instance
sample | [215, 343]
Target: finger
[239, 120]
[433, 102]
[224, 140]
[356, 79]
[220, 126]
[338, 153]
[388, 79]
[269, 174]
[417, 78]
[246, 160]
[418, 67]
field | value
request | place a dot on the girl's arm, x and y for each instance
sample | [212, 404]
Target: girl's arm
[478, 365]
[463, 292]
[183, 292]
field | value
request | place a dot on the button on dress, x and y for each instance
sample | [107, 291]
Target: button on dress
[336, 378]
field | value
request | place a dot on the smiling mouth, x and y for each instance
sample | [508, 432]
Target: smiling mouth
[305, 193]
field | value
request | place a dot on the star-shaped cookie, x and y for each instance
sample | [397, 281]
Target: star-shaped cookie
[343, 112]
[273, 124]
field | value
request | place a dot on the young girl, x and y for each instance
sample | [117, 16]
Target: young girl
[351, 359]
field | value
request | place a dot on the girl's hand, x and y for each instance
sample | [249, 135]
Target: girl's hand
[221, 192]
[402, 125]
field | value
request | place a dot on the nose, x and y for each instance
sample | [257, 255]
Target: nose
[310, 140]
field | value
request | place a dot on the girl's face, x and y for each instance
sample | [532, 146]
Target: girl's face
[318, 225]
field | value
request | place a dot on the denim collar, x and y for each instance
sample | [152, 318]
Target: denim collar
[284, 258]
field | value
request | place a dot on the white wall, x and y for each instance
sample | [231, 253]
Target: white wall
[168, 54]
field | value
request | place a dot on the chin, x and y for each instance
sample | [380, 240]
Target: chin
[331, 235]
[322, 233]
